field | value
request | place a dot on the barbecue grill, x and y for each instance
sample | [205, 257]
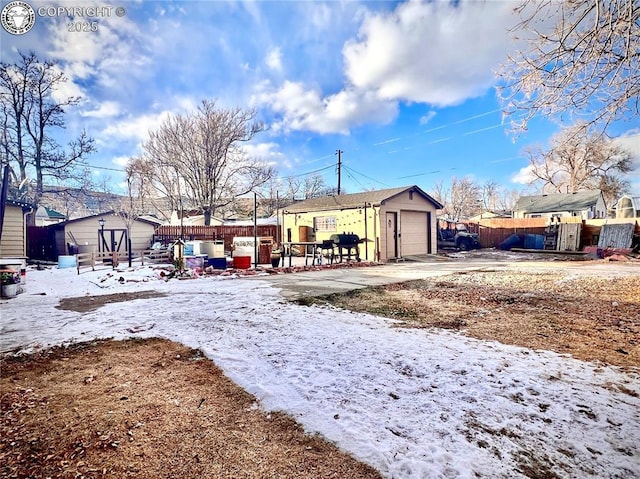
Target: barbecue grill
[346, 244]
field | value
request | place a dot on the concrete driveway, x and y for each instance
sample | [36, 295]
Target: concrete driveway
[318, 283]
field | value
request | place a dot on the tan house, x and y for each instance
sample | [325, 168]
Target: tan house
[584, 204]
[103, 232]
[13, 242]
[393, 223]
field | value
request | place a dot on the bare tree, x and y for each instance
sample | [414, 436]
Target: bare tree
[306, 187]
[30, 113]
[587, 62]
[489, 195]
[199, 156]
[579, 160]
[461, 198]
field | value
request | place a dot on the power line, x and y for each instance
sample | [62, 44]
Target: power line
[368, 177]
[310, 172]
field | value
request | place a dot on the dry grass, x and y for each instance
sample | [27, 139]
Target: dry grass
[589, 318]
[147, 409]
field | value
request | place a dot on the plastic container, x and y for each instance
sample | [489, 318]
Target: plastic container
[242, 262]
[532, 241]
[194, 262]
[218, 263]
[66, 262]
[213, 249]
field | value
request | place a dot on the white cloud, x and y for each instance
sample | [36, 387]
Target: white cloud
[121, 160]
[112, 54]
[274, 59]
[135, 127]
[303, 108]
[440, 53]
[424, 119]
[630, 141]
[524, 176]
[267, 152]
[104, 110]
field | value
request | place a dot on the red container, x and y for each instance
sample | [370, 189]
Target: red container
[242, 262]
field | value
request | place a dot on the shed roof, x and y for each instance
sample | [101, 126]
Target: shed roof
[578, 201]
[355, 200]
[140, 219]
[635, 201]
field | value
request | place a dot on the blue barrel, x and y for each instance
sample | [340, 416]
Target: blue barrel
[513, 241]
[534, 241]
[66, 262]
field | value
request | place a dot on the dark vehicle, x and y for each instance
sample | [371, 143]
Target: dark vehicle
[455, 235]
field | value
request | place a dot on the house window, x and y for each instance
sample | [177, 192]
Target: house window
[411, 195]
[325, 223]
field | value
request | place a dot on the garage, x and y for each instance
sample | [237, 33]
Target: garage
[391, 223]
[414, 228]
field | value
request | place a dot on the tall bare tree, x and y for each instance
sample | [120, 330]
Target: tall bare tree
[199, 156]
[578, 159]
[581, 57]
[31, 112]
[461, 198]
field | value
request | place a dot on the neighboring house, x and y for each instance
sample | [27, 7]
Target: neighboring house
[46, 216]
[393, 223]
[628, 207]
[191, 219]
[485, 215]
[13, 243]
[584, 204]
[88, 234]
[271, 220]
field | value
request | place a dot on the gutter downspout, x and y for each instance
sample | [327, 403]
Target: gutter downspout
[25, 212]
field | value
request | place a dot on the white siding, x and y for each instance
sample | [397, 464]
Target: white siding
[84, 233]
[13, 233]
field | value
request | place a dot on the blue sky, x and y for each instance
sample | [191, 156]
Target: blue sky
[404, 89]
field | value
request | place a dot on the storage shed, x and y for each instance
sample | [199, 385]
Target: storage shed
[102, 232]
[628, 206]
[392, 223]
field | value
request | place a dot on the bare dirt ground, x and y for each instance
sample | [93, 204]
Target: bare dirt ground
[591, 318]
[155, 409]
[147, 409]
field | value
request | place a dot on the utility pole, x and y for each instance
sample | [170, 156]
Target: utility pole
[339, 153]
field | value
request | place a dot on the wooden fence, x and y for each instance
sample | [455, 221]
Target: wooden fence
[168, 234]
[106, 258]
[492, 232]
[112, 259]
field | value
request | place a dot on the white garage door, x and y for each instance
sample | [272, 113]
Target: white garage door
[414, 228]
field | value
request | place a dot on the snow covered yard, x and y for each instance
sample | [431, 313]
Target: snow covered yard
[412, 403]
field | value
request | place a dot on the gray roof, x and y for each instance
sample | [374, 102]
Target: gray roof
[355, 200]
[578, 201]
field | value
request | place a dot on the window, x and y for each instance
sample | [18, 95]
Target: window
[325, 223]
